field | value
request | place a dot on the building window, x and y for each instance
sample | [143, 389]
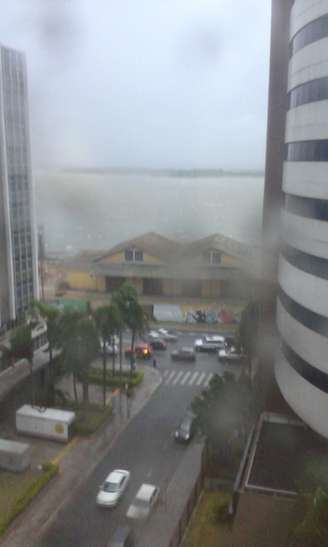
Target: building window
[133, 255]
[307, 150]
[128, 255]
[312, 32]
[138, 255]
[309, 92]
[215, 258]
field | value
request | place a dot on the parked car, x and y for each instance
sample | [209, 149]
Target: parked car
[153, 335]
[158, 345]
[168, 336]
[183, 354]
[209, 344]
[144, 501]
[113, 487]
[123, 537]
[186, 429]
[111, 349]
[142, 351]
[231, 355]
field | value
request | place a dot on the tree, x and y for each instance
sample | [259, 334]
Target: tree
[132, 313]
[313, 530]
[247, 334]
[80, 344]
[223, 414]
[51, 316]
[109, 323]
[21, 344]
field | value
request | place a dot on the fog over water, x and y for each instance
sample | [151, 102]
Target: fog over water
[96, 211]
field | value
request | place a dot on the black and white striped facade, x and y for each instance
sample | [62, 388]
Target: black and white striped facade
[301, 365]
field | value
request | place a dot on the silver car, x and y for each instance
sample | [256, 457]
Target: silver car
[144, 501]
[113, 487]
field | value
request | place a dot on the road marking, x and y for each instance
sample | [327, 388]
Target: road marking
[185, 378]
[167, 381]
[57, 459]
[209, 378]
[166, 372]
[177, 378]
[200, 379]
[192, 379]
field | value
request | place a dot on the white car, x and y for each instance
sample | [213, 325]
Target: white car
[153, 335]
[144, 501]
[209, 343]
[231, 355]
[167, 336]
[113, 487]
[111, 349]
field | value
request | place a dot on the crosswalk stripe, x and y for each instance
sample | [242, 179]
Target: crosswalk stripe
[177, 378]
[166, 372]
[185, 378]
[200, 379]
[209, 378]
[170, 376]
[192, 379]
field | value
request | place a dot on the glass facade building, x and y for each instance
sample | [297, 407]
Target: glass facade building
[18, 250]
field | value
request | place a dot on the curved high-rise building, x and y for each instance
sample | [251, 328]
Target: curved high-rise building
[301, 365]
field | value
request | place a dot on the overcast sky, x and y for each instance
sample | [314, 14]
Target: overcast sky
[159, 83]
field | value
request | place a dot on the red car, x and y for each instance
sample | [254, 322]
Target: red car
[141, 351]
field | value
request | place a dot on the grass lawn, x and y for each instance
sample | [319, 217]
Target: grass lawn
[202, 530]
[88, 418]
[18, 489]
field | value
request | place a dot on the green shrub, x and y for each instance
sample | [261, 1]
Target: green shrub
[95, 376]
[220, 508]
[89, 420]
[49, 470]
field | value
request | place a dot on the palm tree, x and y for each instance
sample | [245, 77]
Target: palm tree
[109, 323]
[133, 314]
[80, 344]
[51, 316]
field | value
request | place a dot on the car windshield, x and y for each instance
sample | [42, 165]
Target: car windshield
[110, 486]
[141, 503]
[185, 426]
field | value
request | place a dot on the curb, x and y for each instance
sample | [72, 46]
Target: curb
[101, 450]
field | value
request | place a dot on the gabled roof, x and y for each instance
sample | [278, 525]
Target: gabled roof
[216, 242]
[151, 243]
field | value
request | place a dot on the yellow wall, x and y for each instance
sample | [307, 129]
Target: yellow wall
[84, 281]
[81, 281]
[119, 258]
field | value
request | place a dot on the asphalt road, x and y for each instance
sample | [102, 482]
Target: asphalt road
[146, 448]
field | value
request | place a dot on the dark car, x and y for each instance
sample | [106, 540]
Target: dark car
[142, 351]
[183, 354]
[122, 538]
[186, 428]
[158, 345]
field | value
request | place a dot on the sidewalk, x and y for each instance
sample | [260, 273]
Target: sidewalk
[77, 461]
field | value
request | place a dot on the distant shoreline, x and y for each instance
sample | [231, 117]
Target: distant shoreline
[190, 173]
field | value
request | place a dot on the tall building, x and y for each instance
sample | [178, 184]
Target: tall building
[297, 183]
[18, 250]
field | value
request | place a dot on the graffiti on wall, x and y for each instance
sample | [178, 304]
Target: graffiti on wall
[224, 316]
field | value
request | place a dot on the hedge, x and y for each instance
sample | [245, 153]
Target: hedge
[96, 377]
[49, 470]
